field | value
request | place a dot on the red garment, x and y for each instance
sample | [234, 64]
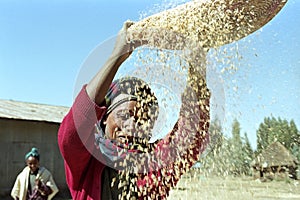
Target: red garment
[83, 170]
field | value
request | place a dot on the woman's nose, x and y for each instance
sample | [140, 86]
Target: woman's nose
[129, 124]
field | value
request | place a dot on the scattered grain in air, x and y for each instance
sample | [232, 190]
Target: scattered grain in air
[165, 30]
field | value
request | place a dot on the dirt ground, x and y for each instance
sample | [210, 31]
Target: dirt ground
[217, 188]
[230, 188]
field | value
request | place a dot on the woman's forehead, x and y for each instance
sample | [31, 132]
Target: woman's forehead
[32, 159]
[129, 105]
[121, 97]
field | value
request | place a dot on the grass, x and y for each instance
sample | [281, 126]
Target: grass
[234, 188]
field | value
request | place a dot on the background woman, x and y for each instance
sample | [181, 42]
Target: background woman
[34, 182]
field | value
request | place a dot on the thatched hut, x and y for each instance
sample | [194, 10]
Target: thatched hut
[275, 162]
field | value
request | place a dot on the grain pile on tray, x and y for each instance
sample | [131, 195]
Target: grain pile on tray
[212, 23]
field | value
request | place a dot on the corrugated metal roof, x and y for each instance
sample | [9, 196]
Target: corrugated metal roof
[32, 111]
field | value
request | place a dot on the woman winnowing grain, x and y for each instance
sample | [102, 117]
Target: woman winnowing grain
[118, 162]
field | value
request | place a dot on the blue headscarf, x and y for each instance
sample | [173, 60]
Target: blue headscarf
[34, 153]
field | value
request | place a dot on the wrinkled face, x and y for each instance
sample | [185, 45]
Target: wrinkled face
[129, 122]
[32, 163]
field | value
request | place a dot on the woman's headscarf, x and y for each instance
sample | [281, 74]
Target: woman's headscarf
[34, 153]
[132, 88]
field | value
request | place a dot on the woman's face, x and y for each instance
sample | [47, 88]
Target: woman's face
[32, 163]
[123, 124]
[120, 123]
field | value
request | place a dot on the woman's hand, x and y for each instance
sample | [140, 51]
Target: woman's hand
[38, 183]
[124, 46]
[98, 86]
[195, 57]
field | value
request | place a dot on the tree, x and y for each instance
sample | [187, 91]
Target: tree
[215, 135]
[273, 129]
[236, 136]
[295, 137]
[239, 157]
[262, 134]
[247, 155]
[230, 156]
[215, 160]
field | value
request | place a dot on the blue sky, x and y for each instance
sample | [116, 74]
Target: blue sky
[43, 45]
